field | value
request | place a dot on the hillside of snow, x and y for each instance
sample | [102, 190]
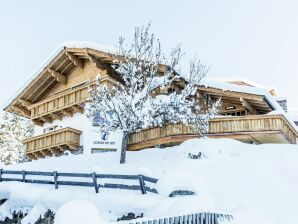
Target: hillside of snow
[255, 183]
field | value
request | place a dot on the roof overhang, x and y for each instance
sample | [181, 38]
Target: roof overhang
[261, 102]
[62, 62]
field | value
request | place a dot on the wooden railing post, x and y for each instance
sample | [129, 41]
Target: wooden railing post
[142, 184]
[94, 178]
[24, 175]
[56, 179]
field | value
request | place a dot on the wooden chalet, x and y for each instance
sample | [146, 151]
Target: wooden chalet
[54, 100]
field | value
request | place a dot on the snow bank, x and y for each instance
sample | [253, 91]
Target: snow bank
[255, 183]
[78, 212]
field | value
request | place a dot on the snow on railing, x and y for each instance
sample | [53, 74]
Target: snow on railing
[94, 177]
[198, 218]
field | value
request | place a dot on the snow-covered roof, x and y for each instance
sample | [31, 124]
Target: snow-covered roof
[216, 84]
[54, 54]
[237, 79]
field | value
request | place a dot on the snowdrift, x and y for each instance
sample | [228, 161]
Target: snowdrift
[255, 183]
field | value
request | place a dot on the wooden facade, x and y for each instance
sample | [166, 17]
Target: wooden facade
[52, 143]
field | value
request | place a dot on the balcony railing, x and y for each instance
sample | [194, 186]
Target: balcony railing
[170, 134]
[259, 129]
[254, 125]
[61, 103]
[52, 143]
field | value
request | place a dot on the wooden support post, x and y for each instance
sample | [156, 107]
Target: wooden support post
[67, 113]
[56, 179]
[25, 103]
[95, 61]
[36, 122]
[23, 111]
[75, 60]
[55, 151]
[142, 184]
[24, 175]
[94, 178]
[247, 105]
[48, 120]
[31, 156]
[59, 77]
[56, 116]
[77, 109]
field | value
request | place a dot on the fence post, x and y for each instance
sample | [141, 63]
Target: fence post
[202, 218]
[198, 218]
[56, 179]
[1, 172]
[142, 184]
[176, 220]
[94, 178]
[194, 218]
[24, 175]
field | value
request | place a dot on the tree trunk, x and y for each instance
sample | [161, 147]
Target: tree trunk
[124, 147]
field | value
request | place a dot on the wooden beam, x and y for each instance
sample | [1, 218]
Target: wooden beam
[247, 105]
[95, 61]
[55, 151]
[77, 109]
[67, 113]
[25, 103]
[23, 111]
[48, 120]
[59, 77]
[77, 62]
[31, 156]
[38, 154]
[56, 116]
[36, 122]
[46, 152]
[72, 147]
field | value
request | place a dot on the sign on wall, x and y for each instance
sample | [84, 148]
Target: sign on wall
[103, 140]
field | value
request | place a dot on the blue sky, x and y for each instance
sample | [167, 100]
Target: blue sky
[256, 39]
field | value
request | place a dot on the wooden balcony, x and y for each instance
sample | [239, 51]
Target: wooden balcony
[63, 104]
[172, 134]
[52, 143]
[258, 129]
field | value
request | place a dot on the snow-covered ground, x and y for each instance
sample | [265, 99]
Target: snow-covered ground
[256, 184]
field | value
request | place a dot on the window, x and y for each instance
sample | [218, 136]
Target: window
[51, 128]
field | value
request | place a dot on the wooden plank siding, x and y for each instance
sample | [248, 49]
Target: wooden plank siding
[52, 143]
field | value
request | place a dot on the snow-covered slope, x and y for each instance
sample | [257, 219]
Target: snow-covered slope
[257, 184]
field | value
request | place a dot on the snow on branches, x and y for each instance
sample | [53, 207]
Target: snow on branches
[13, 130]
[148, 93]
